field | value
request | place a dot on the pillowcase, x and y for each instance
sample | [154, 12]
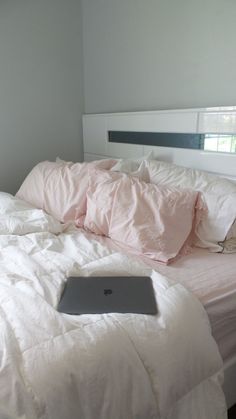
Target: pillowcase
[134, 167]
[219, 195]
[32, 189]
[140, 171]
[154, 220]
[60, 187]
[18, 217]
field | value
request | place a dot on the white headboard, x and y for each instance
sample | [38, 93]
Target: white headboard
[220, 120]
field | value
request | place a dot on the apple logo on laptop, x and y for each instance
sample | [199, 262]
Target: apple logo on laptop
[107, 292]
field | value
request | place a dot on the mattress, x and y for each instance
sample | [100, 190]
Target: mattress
[212, 278]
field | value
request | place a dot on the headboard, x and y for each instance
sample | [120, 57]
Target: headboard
[135, 134]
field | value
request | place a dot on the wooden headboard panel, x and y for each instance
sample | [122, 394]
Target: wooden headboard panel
[220, 120]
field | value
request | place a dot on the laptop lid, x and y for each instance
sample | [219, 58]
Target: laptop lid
[108, 294]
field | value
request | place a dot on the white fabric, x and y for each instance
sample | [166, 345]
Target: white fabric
[134, 167]
[56, 366]
[19, 217]
[219, 194]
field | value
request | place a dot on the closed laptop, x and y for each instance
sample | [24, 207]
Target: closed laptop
[108, 294]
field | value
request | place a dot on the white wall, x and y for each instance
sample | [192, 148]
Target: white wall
[158, 54]
[41, 93]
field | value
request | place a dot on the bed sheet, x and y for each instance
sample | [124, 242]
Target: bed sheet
[212, 278]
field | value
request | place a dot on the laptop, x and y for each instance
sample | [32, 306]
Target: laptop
[108, 294]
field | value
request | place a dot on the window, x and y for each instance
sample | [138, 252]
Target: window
[222, 143]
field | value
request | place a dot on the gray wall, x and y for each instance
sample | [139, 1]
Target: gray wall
[158, 54]
[41, 93]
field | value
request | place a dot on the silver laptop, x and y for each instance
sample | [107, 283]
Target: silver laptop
[108, 294]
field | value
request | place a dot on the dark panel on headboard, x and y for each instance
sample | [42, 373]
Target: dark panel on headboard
[161, 139]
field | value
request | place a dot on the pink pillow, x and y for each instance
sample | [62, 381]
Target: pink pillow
[32, 189]
[60, 187]
[157, 221]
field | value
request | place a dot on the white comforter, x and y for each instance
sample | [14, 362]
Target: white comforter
[113, 366]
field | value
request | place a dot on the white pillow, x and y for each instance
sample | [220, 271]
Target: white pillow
[134, 167]
[219, 195]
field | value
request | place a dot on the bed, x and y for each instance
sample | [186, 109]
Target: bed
[170, 366]
[102, 139]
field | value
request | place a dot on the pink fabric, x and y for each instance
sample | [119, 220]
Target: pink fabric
[60, 188]
[155, 220]
[211, 278]
[32, 189]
